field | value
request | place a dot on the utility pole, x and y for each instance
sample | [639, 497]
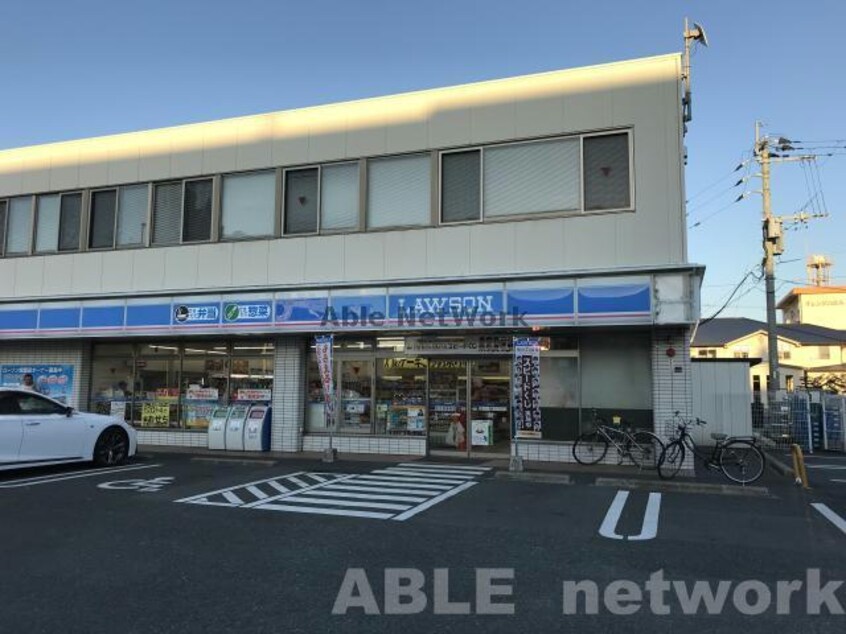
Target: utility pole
[772, 239]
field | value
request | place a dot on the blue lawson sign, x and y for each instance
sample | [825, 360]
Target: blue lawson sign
[498, 305]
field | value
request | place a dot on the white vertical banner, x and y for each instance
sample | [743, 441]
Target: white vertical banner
[526, 388]
[323, 345]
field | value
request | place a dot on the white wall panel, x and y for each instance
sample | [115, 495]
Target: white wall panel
[365, 133]
[492, 248]
[36, 174]
[324, 261]
[117, 271]
[11, 175]
[290, 141]
[255, 142]
[539, 246]
[155, 152]
[449, 125]
[30, 277]
[286, 261]
[249, 263]
[591, 242]
[148, 271]
[58, 275]
[8, 276]
[404, 252]
[124, 165]
[364, 259]
[64, 171]
[220, 151]
[538, 116]
[492, 122]
[214, 265]
[181, 267]
[93, 164]
[447, 252]
[87, 275]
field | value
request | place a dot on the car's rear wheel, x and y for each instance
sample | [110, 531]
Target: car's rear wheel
[112, 447]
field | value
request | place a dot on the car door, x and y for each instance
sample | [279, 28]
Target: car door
[48, 432]
[11, 429]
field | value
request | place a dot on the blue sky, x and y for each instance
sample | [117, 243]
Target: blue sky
[92, 67]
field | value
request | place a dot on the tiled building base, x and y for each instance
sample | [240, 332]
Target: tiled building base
[551, 451]
[367, 444]
[173, 438]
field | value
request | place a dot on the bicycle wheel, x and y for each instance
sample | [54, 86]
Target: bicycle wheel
[741, 461]
[645, 450]
[590, 448]
[671, 460]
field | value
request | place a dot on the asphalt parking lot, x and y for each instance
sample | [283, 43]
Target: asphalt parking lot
[180, 543]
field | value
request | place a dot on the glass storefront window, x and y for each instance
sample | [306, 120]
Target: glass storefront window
[204, 382]
[156, 393]
[401, 396]
[490, 404]
[448, 404]
[179, 385]
[356, 394]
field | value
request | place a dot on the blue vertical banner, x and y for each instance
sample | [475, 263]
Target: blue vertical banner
[323, 345]
[526, 385]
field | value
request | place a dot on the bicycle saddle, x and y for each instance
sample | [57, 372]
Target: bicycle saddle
[718, 436]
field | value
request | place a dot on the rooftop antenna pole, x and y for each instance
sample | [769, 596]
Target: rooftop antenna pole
[691, 35]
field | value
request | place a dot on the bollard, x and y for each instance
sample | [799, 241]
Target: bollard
[799, 466]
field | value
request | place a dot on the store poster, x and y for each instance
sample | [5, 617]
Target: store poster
[526, 382]
[53, 380]
[323, 348]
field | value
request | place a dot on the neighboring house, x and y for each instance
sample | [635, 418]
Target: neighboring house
[819, 305]
[808, 354]
[184, 272]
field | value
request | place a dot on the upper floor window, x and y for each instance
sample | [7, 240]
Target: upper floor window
[461, 189]
[101, 232]
[167, 213]
[607, 177]
[132, 215]
[339, 197]
[248, 205]
[301, 202]
[197, 214]
[399, 191]
[58, 219]
[19, 225]
[2, 226]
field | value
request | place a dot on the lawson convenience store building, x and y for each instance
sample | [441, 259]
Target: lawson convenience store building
[181, 270]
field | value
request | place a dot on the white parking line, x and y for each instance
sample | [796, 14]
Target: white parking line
[440, 465]
[649, 529]
[830, 515]
[60, 477]
[833, 467]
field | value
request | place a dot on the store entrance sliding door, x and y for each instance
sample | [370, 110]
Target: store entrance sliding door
[469, 405]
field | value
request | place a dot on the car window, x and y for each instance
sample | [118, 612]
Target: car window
[32, 404]
[9, 404]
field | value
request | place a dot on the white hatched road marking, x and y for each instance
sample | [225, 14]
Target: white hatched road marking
[60, 477]
[396, 493]
[830, 515]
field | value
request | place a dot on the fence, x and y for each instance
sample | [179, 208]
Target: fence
[812, 419]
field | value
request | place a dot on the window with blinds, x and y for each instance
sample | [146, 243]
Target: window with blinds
[301, 201]
[530, 178]
[248, 205]
[167, 213]
[132, 215]
[19, 225]
[70, 222]
[47, 223]
[2, 227]
[461, 195]
[196, 219]
[399, 191]
[607, 178]
[101, 231]
[339, 197]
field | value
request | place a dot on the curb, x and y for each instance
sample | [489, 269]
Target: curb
[685, 487]
[529, 476]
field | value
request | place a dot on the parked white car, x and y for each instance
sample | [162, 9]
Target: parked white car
[36, 430]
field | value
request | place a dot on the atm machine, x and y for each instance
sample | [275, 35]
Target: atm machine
[257, 430]
[217, 428]
[235, 427]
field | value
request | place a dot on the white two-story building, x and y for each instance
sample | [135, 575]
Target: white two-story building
[166, 274]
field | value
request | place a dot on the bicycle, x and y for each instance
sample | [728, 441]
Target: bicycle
[642, 447]
[738, 457]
